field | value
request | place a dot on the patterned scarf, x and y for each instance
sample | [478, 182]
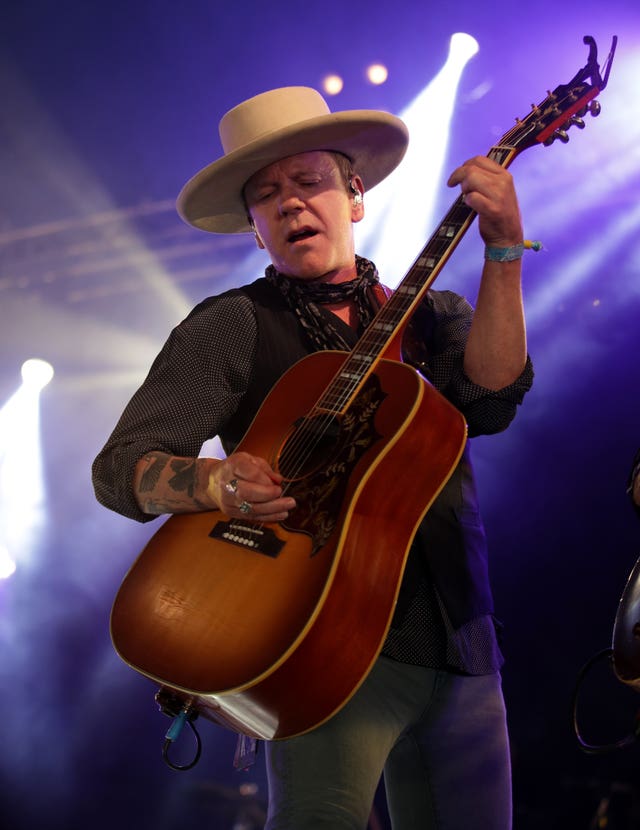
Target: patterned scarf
[304, 299]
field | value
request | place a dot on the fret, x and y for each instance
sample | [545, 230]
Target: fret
[427, 262]
[500, 153]
[496, 154]
[350, 375]
[379, 325]
[361, 358]
[334, 401]
[449, 231]
[404, 289]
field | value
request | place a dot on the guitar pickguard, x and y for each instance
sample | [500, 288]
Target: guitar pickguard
[320, 491]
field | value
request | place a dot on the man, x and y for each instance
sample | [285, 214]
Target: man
[430, 712]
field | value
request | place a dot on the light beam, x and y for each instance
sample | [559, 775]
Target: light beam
[22, 492]
[400, 209]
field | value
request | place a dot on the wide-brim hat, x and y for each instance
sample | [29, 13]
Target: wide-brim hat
[281, 123]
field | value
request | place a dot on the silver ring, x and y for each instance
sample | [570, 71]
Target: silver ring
[245, 507]
[232, 486]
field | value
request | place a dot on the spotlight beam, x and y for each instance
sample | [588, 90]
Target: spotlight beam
[22, 491]
[401, 207]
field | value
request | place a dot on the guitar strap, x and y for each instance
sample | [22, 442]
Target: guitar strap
[378, 294]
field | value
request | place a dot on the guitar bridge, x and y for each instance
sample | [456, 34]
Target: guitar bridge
[248, 535]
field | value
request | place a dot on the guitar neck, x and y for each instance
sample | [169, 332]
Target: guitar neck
[395, 314]
[550, 119]
[427, 266]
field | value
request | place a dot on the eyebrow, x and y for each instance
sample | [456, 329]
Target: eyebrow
[294, 174]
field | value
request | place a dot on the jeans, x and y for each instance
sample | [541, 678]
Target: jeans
[440, 739]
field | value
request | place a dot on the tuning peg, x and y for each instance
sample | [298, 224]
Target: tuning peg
[559, 134]
[595, 108]
[573, 121]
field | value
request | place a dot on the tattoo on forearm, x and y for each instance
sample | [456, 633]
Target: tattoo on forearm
[151, 475]
[185, 476]
[182, 480]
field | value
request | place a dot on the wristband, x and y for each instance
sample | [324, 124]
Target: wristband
[504, 254]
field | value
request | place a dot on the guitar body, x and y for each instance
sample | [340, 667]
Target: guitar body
[270, 629]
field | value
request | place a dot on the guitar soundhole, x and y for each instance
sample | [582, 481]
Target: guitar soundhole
[311, 445]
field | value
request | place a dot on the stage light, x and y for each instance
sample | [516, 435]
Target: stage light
[377, 74]
[332, 84]
[462, 48]
[22, 492]
[7, 564]
[36, 373]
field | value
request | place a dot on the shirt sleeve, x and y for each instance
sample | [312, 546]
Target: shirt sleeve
[486, 411]
[192, 388]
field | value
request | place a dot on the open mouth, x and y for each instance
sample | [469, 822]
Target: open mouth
[298, 236]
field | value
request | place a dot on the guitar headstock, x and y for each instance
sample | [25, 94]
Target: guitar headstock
[565, 107]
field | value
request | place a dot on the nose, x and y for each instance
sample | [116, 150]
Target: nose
[290, 201]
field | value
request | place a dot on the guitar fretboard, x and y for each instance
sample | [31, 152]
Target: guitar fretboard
[550, 119]
[402, 304]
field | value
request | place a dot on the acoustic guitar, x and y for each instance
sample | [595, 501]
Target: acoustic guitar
[269, 629]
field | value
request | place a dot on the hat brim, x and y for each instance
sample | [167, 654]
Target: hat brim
[374, 141]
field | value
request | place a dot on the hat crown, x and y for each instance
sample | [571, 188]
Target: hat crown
[269, 112]
[277, 124]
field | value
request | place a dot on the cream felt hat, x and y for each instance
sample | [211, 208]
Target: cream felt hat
[281, 123]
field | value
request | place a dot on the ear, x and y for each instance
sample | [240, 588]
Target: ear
[259, 241]
[356, 187]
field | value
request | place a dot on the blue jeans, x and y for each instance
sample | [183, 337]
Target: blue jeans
[440, 739]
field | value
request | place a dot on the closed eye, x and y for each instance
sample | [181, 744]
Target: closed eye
[263, 195]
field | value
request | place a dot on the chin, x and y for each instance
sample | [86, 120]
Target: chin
[302, 272]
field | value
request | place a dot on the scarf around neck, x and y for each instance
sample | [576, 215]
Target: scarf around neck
[305, 298]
